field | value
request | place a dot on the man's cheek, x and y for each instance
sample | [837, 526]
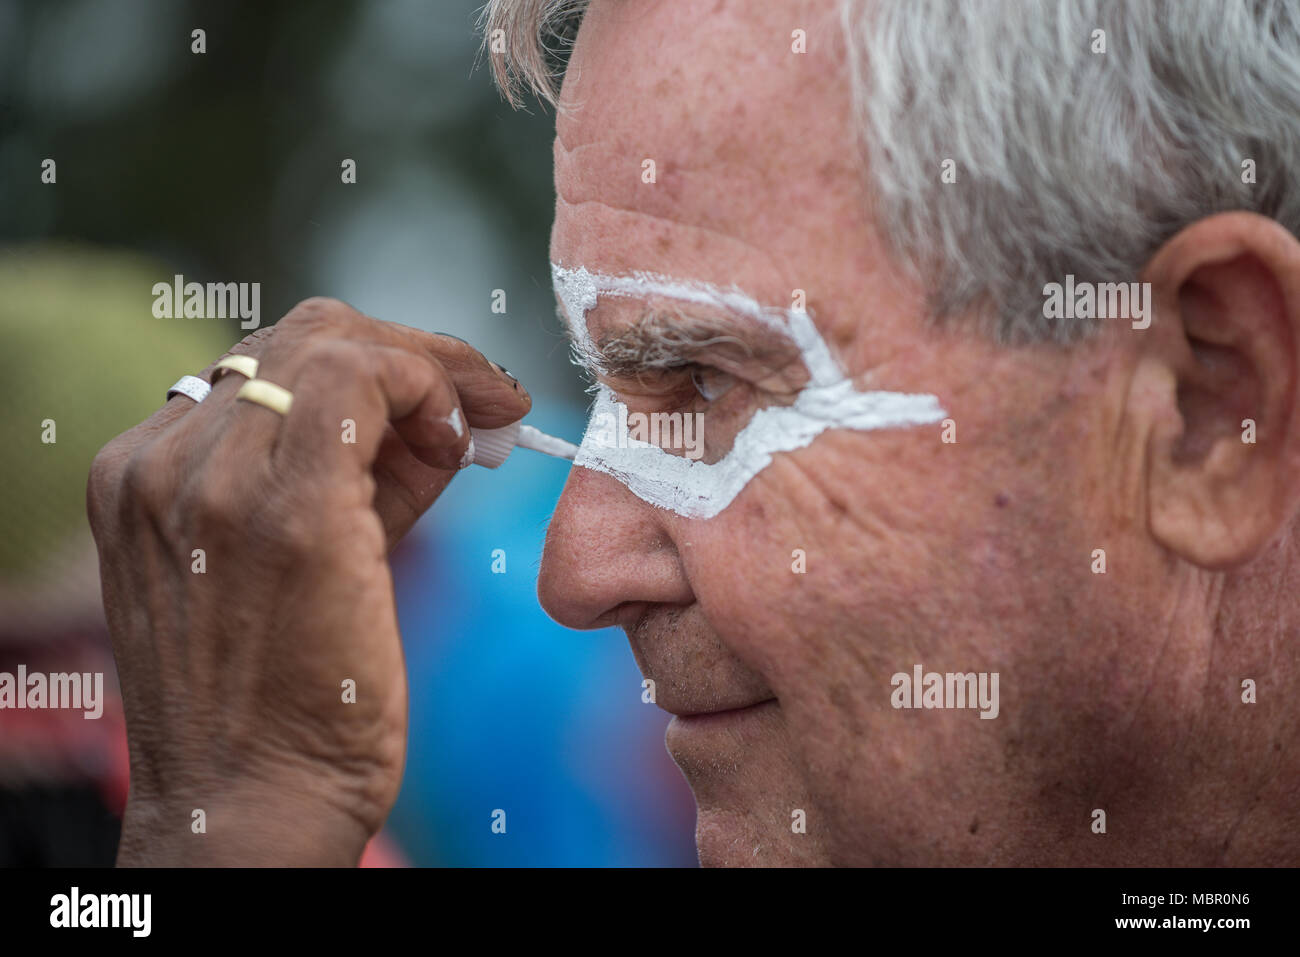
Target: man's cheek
[754, 572]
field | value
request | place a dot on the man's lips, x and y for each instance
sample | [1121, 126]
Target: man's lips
[702, 718]
[714, 732]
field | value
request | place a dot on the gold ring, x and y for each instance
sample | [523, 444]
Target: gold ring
[268, 394]
[244, 365]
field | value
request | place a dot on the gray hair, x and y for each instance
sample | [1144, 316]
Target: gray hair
[1067, 159]
[537, 36]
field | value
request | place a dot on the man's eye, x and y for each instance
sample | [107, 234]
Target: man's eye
[710, 383]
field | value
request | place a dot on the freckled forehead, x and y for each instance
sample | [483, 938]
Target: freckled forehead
[700, 77]
[733, 122]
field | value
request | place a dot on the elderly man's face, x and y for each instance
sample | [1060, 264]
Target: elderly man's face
[966, 556]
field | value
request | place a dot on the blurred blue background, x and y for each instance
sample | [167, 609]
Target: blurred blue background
[225, 166]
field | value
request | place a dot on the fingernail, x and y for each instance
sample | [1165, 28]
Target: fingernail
[506, 372]
[468, 458]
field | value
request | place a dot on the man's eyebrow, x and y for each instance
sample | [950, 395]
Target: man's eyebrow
[664, 339]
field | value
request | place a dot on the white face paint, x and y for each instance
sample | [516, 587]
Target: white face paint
[697, 489]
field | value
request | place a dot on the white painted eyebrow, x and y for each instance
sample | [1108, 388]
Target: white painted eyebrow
[703, 316]
[664, 339]
[578, 290]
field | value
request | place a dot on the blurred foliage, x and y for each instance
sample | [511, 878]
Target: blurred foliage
[78, 349]
[183, 156]
[218, 166]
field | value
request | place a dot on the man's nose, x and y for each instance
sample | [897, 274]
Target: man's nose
[606, 549]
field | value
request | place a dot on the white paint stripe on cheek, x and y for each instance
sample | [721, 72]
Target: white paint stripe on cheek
[697, 489]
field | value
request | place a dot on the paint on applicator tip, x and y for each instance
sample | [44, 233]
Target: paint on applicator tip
[493, 446]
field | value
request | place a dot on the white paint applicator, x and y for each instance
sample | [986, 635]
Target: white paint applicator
[493, 446]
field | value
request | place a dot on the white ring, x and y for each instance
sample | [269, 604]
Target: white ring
[191, 386]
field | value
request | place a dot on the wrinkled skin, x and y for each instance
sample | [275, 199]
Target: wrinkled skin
[233, 663]
[1119, 691]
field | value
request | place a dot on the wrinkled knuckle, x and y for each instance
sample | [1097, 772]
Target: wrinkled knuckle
[146, 478]
[210, 508]
[317, 313]
[252, 343]
[337, 360]
[294, 530]
[103, 482]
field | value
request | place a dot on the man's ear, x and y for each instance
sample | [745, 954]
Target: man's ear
[1223, 462]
